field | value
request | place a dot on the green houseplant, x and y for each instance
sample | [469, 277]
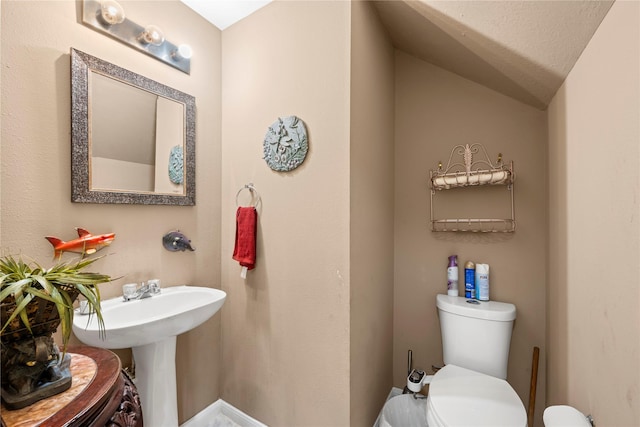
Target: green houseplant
[34, 302]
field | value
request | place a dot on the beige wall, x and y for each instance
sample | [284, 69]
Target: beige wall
[327, 322]
[371, 230]
[36, 170]
[285, 329]
[319, 300]
[593, 287]
[436, 110]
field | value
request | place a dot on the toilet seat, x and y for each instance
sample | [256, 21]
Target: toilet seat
[461, 397]
[565, 416]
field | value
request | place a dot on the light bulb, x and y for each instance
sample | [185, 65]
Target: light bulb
[152, 35]
[111, 12]
[183, 52]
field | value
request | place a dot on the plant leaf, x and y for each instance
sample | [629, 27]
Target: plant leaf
[19, 310]
[13, 288]
[92, 294]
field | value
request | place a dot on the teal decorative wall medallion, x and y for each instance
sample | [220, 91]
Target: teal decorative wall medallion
[176, 165]
[286, 144]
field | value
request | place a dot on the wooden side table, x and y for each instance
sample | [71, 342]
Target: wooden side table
[101, 394]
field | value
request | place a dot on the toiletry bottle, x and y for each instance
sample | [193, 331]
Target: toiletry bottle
[482, 282]
[452, 276]
[470, 280]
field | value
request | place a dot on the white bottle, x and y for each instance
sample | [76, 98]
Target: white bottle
[482, 282]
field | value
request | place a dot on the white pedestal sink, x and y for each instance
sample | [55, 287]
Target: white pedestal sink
[149, 327]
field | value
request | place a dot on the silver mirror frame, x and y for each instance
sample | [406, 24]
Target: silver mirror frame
[81, 192]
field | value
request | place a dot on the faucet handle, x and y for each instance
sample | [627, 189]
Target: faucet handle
[154, 286]
[129, 291]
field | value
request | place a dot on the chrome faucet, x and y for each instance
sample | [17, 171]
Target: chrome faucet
[143, 292]
[146, 290]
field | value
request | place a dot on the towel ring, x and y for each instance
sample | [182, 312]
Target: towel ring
[254, 192]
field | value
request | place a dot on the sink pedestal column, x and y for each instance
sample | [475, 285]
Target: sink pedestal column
[156, 382]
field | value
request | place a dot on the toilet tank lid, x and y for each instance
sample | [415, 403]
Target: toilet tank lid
[487, 310]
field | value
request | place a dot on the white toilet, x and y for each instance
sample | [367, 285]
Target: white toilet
[471, 389]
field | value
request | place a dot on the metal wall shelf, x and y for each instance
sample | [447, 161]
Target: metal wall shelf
[472, 173]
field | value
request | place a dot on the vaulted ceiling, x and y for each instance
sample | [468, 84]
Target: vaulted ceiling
[521, 48]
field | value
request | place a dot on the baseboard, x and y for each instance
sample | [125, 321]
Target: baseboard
[202, 418]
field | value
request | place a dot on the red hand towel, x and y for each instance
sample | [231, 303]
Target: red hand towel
[246, 226]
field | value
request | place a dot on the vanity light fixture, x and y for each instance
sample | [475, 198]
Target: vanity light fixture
[107, 16]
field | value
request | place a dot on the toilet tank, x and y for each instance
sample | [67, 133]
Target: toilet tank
[476, 335]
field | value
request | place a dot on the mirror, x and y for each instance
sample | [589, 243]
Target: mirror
[133, 139]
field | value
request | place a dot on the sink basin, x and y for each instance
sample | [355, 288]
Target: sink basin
[139, 322]
[149, 327]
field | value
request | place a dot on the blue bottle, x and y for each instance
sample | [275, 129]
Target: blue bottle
[470, 280]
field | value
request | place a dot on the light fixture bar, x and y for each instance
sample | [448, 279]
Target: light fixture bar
[129, 32]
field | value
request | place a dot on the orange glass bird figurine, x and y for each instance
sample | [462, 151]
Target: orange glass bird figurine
[85, 244]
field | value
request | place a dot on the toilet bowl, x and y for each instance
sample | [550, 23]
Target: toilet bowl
[458, 397]
[404, 410]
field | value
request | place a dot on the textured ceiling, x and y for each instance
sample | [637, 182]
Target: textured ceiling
[523, 49]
